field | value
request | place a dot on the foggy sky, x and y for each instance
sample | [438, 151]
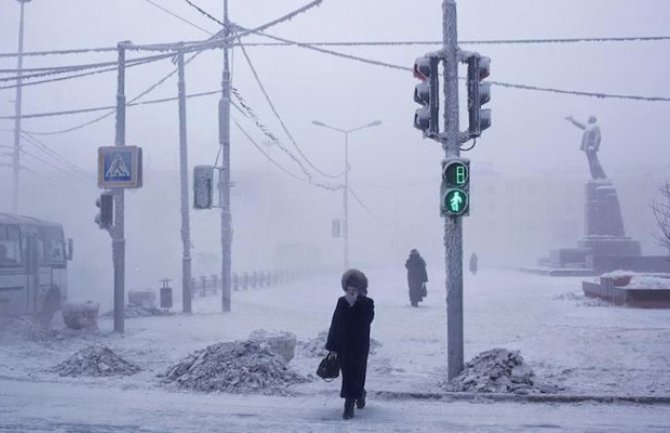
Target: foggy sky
[528, 136]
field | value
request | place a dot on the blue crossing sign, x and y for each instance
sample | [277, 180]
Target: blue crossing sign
[120, 167]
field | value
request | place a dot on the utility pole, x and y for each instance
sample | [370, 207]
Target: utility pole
[346, 200]
[118, 231]
[453, 228]
[16, 164]
[345, 195]
[183, 169]
[224, 178]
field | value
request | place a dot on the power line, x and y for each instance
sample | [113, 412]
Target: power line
[53, 154]
[371, 43]
[45, 71]
[205, 13]
[281, 121]
[112, 109]
[465, 42]
[176, 16]
[69, 77]
[251, 115]
[292, 175]
[364, 206]
[330, 52]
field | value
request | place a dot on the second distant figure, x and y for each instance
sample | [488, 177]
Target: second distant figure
[416, 277]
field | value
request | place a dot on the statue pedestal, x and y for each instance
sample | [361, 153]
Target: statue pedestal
[605, 246]
[603, 224]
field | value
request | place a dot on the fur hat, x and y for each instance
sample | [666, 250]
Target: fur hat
[356, 278]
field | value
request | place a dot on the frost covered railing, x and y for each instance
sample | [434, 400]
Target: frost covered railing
[205, 285]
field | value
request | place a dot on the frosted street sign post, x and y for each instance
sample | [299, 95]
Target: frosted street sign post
[120, 167]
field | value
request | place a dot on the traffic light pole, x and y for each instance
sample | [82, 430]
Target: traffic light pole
[453, 228]
[118, 231]
[183, 169]
[224, 179]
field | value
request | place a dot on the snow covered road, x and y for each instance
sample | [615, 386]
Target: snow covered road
[33, 407]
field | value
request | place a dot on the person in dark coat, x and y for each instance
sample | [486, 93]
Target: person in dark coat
[473, 263]
[349, 338]
[416, 277]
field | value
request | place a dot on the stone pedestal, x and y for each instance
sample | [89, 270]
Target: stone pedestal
[602, 210]
[603, 223]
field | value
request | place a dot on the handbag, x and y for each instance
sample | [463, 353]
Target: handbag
[329, 368]
[424, 290]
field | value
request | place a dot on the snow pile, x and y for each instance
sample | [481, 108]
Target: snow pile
[499, 371]
[282, 343]
[95, 360]
[648, 282]
[237, 367]
[316, 347]
[26, 328]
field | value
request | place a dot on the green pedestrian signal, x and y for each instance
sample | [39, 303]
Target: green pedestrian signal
[455, 191]
[454, 202]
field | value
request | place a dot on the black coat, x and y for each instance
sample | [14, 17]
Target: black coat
[349, 337]
[416, 276]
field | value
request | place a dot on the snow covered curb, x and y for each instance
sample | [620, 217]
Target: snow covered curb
[525, 398]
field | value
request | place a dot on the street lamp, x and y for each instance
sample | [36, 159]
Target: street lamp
[345, 197]
[17, 118]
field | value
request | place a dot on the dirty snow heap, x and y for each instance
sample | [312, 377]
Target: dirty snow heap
[237, 367]
[95, 361]
[499, 371]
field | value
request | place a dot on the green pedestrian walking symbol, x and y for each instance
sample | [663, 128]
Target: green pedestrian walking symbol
[455, 202]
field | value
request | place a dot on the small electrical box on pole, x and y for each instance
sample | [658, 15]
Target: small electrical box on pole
[203, 187]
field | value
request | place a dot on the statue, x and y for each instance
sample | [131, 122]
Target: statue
[590, 145]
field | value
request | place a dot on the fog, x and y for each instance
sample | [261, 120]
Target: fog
[527, 171]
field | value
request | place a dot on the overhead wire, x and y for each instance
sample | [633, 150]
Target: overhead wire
[279, 118]
[179, 17]
[53, 154]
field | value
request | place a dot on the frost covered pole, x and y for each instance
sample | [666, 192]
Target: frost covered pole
[453, 228]
[16, 164]
[118, 235]
[224, 178]
[183, 171]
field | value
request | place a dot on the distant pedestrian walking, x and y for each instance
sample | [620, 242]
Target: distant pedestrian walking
[417, 277]
[349, 338]
[473, 263]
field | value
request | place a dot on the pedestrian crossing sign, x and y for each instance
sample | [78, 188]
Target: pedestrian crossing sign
[120, 167]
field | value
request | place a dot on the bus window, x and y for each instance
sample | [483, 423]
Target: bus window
[10, 247]
[54, 246]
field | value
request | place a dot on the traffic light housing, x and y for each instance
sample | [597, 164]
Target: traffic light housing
[479, 93]
[455, 191]
[426, 93]
[105, 216]
[203, 187]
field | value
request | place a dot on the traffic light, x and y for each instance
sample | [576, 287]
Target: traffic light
[427, 93]
[455, 191]
[105, 217]
[479, 93]
[203, 187]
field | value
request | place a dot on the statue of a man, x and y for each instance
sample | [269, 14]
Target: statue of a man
[591, 145]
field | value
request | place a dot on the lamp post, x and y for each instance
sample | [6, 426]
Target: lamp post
[345, 197]
[17, 114]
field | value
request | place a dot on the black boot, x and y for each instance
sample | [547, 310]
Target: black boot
[360, 402]
[348, 408]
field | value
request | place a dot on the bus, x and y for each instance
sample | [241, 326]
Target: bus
[33, 266]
